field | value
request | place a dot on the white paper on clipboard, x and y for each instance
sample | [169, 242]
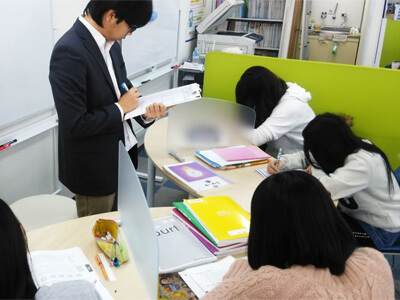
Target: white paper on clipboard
[169, 98]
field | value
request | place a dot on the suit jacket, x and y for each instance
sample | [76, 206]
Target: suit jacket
[90, 125]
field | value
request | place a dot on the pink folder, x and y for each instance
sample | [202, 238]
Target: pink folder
[241, 153]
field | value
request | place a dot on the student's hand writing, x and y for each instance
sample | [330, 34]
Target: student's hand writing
[272, 168]
[155, 110]
[130, 100]
[308, 170]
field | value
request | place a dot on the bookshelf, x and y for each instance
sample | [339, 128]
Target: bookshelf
[264, 17]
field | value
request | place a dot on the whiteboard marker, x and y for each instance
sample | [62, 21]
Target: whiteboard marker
[177, 156]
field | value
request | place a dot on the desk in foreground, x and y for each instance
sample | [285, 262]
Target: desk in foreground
[78, 233]
[245, 180]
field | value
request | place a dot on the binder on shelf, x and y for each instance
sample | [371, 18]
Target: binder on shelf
[196, 177]
[224, 220]
[179, 249]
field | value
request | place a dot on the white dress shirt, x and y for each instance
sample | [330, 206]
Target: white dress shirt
[104, 46]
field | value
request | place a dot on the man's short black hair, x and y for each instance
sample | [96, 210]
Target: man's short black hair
[136, 13]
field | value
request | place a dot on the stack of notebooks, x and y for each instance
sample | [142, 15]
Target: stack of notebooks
[218, 222]
[233, 157]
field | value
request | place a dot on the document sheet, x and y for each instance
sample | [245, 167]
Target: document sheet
[203, 279]
[55, 266]
[169, 98]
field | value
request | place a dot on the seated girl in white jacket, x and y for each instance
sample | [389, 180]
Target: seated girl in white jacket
[281, 108]
[354, 171]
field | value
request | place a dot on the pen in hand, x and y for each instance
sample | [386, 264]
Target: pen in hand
[278, 158]
[124, 87]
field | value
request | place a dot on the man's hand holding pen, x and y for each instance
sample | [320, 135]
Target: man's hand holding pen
[153, 111]
[130, 100]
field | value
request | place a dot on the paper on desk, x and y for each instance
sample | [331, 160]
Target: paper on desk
[55, 266]
[169, 98]
[263, 172]
[106, 263]
[204, 278]
[193, 66]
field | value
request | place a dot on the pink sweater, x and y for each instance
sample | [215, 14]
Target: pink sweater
[367, 276]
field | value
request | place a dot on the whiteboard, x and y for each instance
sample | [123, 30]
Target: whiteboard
[27, 42]
[154, 45]
[29, 30]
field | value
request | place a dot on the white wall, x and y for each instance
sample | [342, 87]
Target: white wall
[371, 33]
[28, 168]
[353, 9]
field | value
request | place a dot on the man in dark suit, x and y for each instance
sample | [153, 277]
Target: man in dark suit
[86, 75]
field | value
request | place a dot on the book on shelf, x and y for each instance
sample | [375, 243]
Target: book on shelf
[217, 251]
[202, 279]
[195, 176]
[54, 266]
[233, 157]
[169, 98]
[179, 249]
[224, 220]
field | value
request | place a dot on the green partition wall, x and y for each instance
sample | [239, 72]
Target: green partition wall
[370, 95]
[391, 43]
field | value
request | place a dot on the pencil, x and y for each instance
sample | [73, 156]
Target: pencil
[253, 163]
[99, 262]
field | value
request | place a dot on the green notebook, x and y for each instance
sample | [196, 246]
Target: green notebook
[184, 211]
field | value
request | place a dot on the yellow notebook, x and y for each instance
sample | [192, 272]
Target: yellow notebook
[225, 220]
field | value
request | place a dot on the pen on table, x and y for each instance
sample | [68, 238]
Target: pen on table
[278, 158]
[99, 262]
[177, 156]
[175, 67]
[6, 145]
